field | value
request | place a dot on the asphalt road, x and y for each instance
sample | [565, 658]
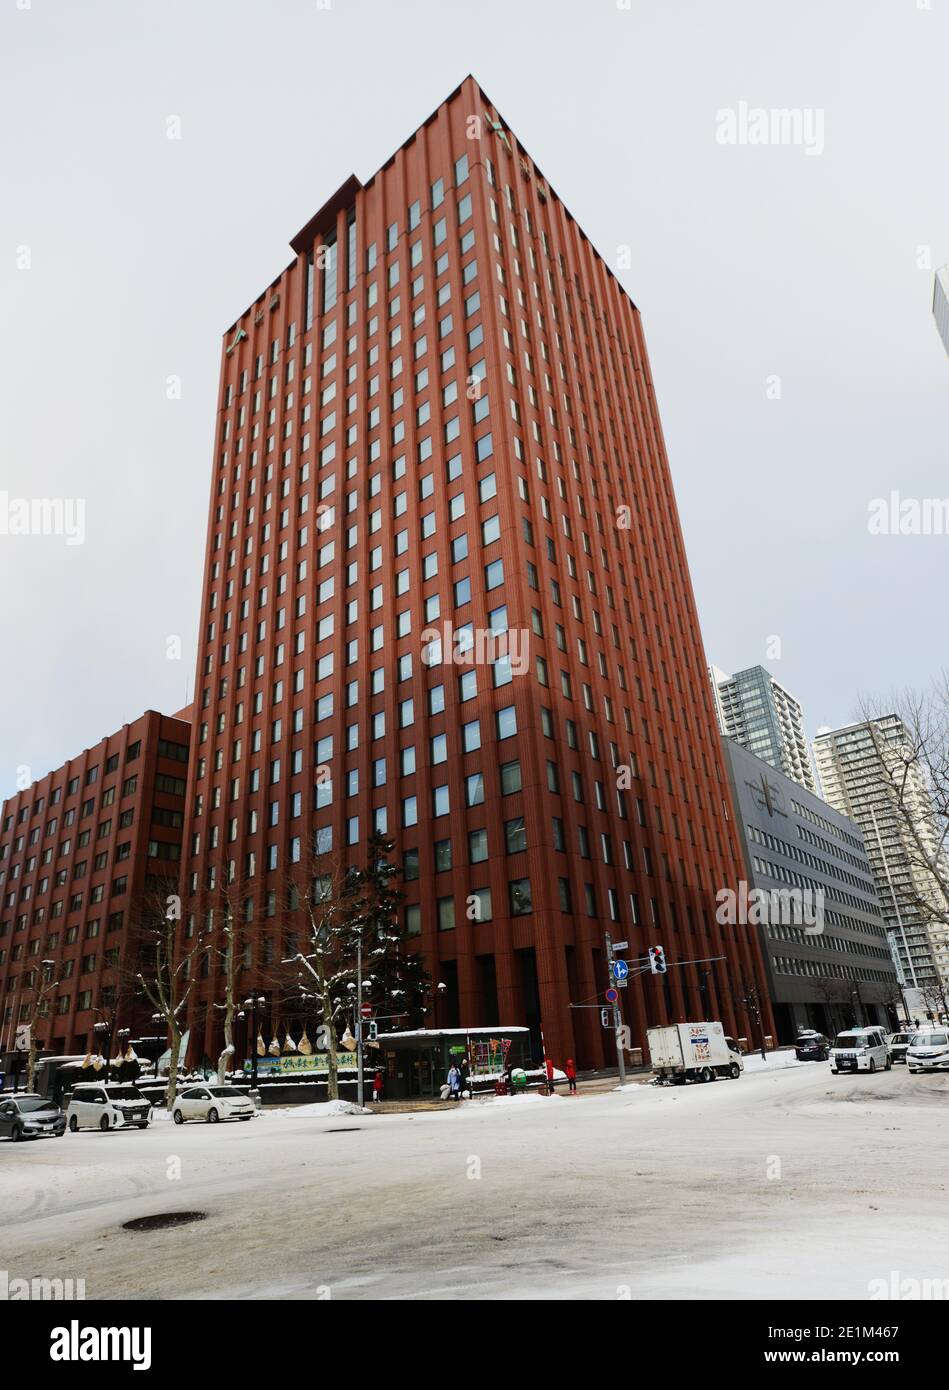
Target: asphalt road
[789, 1183]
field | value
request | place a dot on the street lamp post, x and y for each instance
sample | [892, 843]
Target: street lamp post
[253, 1003]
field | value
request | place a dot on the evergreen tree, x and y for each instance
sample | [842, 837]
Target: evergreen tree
[394, 980]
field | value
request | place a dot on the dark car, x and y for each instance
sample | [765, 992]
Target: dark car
[811, 1047]
[30, 1117]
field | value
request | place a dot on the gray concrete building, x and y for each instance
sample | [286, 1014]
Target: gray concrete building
[812, 893]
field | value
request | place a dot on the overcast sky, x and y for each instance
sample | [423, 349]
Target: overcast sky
[749, 263]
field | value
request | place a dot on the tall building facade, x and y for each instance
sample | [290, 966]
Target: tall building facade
[77, 849]
[825, 942]
[757, 712]
[446, 596]
[850, 762]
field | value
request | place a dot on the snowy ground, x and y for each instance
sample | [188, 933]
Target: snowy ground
[789, 1183]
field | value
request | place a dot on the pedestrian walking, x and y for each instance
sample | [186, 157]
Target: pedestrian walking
[377, 1086]
[465, 1081]
[454, 1083]
[571, 1071]
[550, 1076]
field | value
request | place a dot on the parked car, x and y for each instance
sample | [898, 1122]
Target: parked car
[28, 1116]
[860, 1049]
[107, 1105]
[898, 1043]
[810, 1046]
[928, 1051]
[212, 1103]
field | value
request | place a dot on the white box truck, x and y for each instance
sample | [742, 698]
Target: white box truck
[681, 1052]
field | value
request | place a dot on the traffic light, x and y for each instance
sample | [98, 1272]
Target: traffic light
[373, 1030]
[657, 960]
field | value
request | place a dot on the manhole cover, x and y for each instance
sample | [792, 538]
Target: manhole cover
[163, 1220]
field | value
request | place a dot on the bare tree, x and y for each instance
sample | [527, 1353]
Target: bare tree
[237, 924]
[935, 999]
[163, 969]
[892, 999]
[749, 998]
[37, 1008]
[318, 886]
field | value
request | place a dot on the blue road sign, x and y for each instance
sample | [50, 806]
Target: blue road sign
[620, 970]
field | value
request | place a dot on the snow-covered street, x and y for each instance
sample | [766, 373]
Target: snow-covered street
[789, 1183]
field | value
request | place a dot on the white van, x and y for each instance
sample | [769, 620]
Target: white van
[860, 1049]
[104, 1105]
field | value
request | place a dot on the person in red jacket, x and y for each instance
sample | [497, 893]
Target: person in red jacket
[571, 1071]
[550, 1076]
[377, 1084]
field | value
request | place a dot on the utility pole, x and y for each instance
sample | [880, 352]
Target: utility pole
[617, 1017]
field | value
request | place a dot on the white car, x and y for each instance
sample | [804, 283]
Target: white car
[928, 1051]
[860, 1049]
[104, 1105]
[212, 1103]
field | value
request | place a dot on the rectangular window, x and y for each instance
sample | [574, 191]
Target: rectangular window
[519, 894]
[329, 273]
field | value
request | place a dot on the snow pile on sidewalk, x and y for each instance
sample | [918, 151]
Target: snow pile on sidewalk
[318, 1109]
[773, 1061]
[526, 1098]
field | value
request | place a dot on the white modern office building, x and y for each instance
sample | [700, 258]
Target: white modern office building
[759, 714]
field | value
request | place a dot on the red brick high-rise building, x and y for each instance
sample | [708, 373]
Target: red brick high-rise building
[440, 418]
[78, 850]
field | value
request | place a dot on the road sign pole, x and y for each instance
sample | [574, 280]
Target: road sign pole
[617, 1018]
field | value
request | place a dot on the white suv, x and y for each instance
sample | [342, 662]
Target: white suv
[103, 1105]
[860, 1049]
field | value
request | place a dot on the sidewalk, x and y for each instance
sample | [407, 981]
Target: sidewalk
[588, 1083]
